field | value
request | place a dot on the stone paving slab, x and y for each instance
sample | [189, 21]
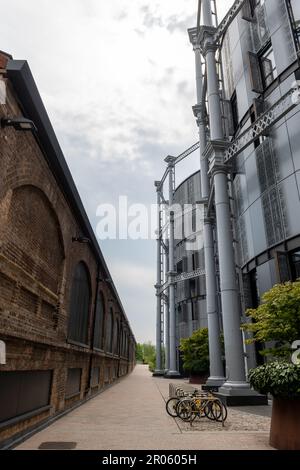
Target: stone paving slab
[131, 416]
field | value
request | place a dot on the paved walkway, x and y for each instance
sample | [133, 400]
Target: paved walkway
[131, 416]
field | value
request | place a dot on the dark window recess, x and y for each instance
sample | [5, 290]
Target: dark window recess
[295, 265]
[268, 66]
[80, 305]
[254, 296]
[248, 9]
[180, 314]
[99, 319]
[283, 266]
[95, 376]
[235, 113]
[23, 391]
[194, 311]
[294, 13]
[255, 73]
[193, 291]
[258, 107]
[194, 221]
[73, 382]
[179, 267]
[184, 313]
[186, 288]
[109, 331]
[184, 264]
[193, 261]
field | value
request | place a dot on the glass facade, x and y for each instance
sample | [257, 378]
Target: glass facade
[189, 256]
[259, 55]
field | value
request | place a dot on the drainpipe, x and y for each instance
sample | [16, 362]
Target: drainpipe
[172, 372]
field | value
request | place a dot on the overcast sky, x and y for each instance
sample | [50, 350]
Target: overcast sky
[117, 79]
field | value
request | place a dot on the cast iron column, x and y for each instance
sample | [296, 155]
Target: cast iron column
[216, 377]
[236, 380]
[172, 372]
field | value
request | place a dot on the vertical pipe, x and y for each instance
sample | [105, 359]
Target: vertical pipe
[172, 313]
[158, 369]
[167, 314]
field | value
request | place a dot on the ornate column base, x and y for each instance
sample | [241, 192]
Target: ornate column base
[240, 394]
[158, 373]
[172, 374]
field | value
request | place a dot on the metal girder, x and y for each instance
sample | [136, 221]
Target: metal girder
[187, 152]
[223, 26]
[191, 275]
[283, 106]
[162, 289]
[181, 277]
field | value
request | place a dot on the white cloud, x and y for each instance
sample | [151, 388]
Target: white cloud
[117, 79]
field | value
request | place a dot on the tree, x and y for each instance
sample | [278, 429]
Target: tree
[196, 352]
[277, 319]
[146, 354]
[139, 354]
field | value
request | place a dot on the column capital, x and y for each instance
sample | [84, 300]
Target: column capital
[157, 184]
[193, 35]
[205, 39]
[170, 160]
[214, 153]
[199, 115]
[171, 277]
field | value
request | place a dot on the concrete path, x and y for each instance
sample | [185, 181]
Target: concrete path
[131, 416]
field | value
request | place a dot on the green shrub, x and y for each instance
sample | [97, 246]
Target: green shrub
[195, 352]
[280, 379]
[277, 319]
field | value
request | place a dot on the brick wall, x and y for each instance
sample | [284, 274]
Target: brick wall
[37, 262]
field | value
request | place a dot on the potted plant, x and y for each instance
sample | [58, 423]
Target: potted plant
[277, 320]
[195, 355]
[282, 381]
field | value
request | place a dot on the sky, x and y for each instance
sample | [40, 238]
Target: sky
[117, 80]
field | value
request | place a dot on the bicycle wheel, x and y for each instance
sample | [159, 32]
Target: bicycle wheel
[213, 411]
[171, 406]
[184, 409]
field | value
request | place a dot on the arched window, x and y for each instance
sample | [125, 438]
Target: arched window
[80, 305]
[116, 338]
[109, 331]
[99, 321]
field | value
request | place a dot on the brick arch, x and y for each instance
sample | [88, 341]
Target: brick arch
[31, 237]
[109, 328]
[80, 304]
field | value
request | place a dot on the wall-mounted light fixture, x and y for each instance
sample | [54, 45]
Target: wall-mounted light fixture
[108, 280]
[19, 124]
[81, 240]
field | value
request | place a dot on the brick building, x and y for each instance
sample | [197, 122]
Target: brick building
[62, 324]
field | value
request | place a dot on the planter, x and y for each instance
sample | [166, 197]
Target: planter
[285, 424]
[199, 379]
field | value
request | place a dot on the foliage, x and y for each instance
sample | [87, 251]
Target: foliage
[139, 354]
[277, 319]
[195, 352]
[280, 379]
[146, 354]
